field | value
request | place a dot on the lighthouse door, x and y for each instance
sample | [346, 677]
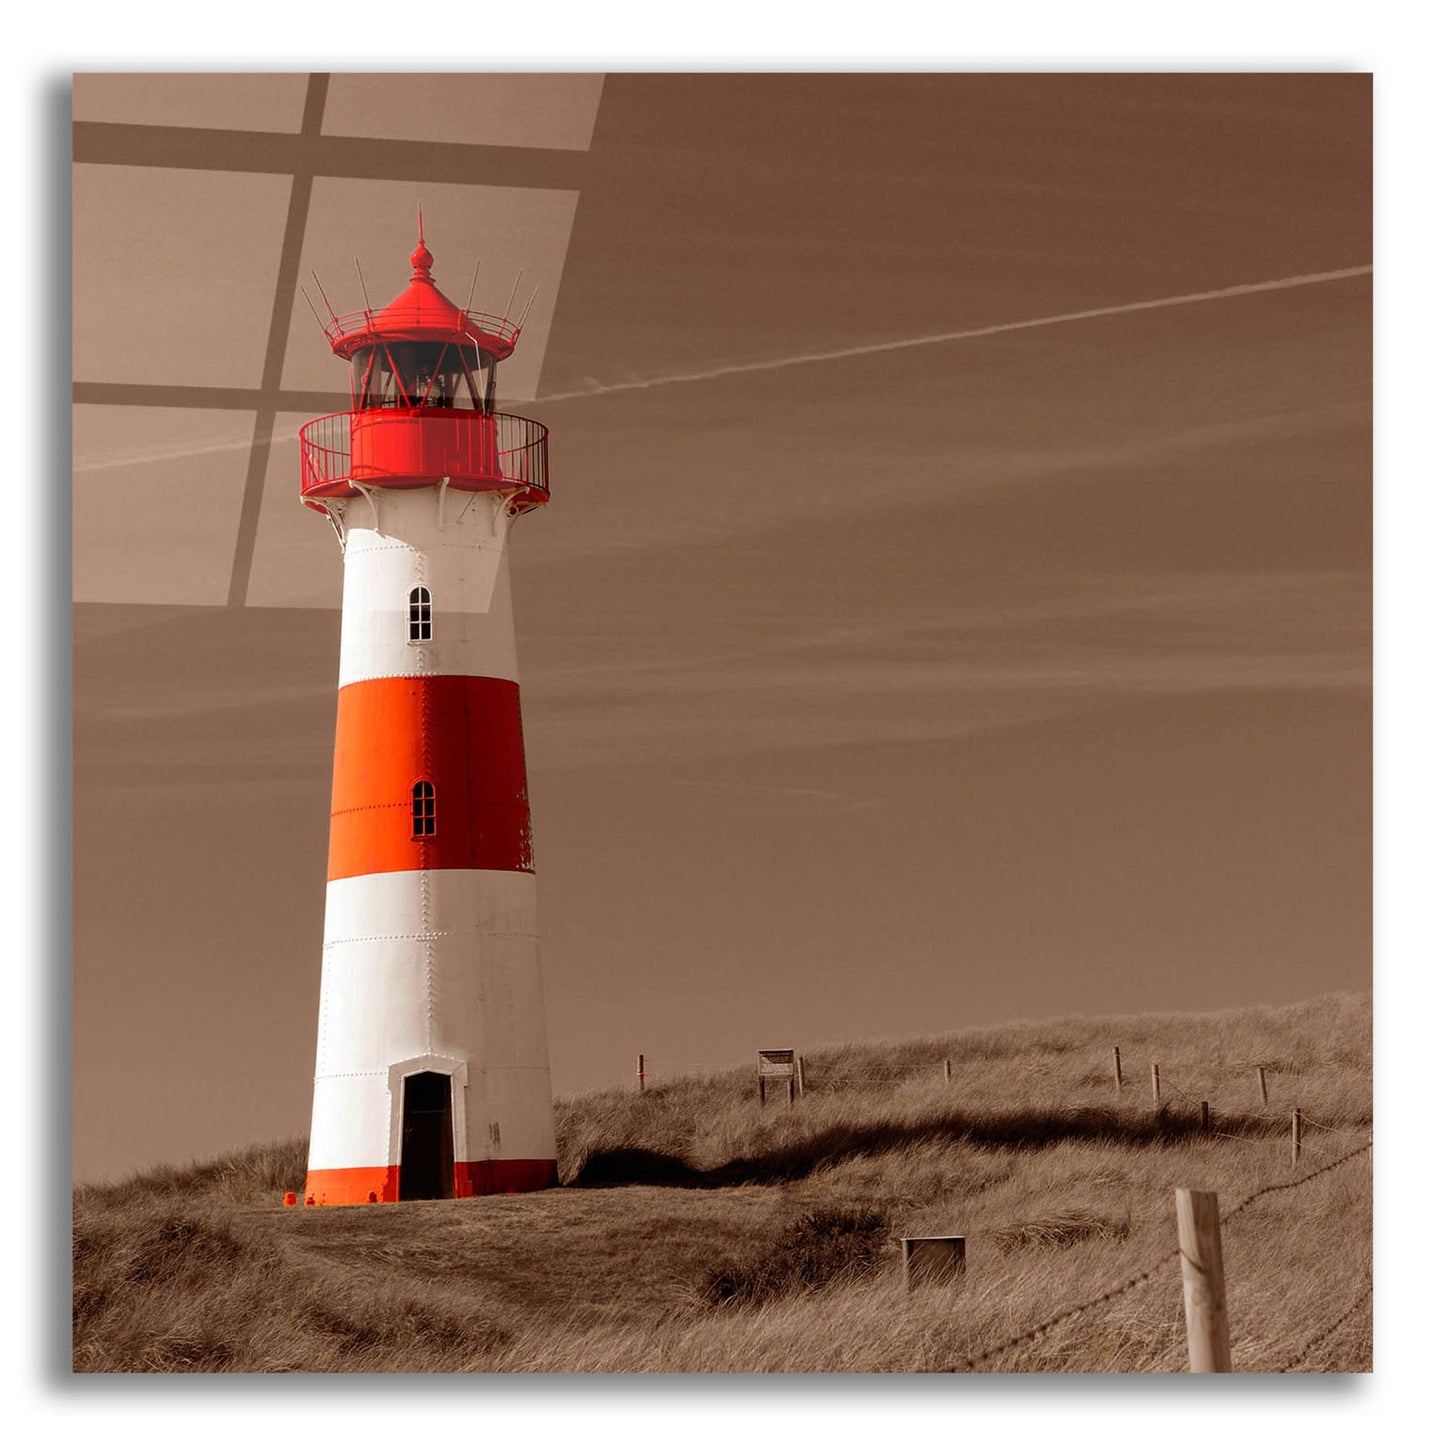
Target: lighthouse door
[426, 1137]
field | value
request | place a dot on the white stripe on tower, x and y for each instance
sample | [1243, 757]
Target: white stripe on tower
[463, 564]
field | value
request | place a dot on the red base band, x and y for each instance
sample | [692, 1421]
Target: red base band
[505, 1176]
[382, 1183]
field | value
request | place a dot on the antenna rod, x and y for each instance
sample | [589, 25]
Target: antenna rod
[528, 307]
[322, 290]
[313, 311]
[472, 290]
[362, 279]
[420, 235]
[506, 310]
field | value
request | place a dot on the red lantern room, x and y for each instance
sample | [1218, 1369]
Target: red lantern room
[423, 380]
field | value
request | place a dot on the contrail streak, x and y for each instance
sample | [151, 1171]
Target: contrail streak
[180, 452]
[1283, 283]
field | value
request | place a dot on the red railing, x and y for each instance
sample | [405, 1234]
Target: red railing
[417, 446]
[354, 323]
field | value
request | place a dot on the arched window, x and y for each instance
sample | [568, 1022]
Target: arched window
[419, 614]
[423, 810]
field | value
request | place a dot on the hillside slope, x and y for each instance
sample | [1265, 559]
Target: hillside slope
[696, 1231]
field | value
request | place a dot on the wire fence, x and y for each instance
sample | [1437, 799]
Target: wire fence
[1282, 1118]
[1164, 1095]
[1037, 1332]
[825, 1075]
[1076, 1311]
[1304, 1351]
[1295, 1183]
[833, 1077]
[1331, 1128]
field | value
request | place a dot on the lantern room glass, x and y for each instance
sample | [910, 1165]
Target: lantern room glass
[420, 373]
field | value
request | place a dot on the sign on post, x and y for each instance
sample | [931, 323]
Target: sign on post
[932, 1259]
[777, 1064]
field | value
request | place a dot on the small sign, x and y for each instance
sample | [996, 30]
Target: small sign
[933, 1259]
[775, 1063]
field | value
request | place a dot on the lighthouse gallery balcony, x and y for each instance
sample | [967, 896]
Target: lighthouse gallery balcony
[417, 447]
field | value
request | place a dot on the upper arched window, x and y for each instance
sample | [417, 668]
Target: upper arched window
[423, 810]
[419, 614]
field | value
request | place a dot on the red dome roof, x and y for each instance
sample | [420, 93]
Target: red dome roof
[422, 313]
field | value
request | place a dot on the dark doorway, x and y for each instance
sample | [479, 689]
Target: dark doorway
[426, 1137]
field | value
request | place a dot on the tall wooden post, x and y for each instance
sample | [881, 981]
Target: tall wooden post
[948, 1071]
[801, 1089]
[1263, 1087]
[641, 1074]
[1118, 1070]
[1154, 1082]
[1201, 1261]
[1294, 1138]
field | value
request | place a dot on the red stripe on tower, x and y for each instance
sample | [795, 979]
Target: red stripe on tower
[461, 735]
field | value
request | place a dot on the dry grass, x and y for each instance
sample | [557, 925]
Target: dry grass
[696, 1232]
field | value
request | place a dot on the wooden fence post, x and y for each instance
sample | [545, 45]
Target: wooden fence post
[801, 1089]
[1263, 1087]
[1154, 1082]
[1118, 1070]
[641, 1075]
[1201, 1262]
[948, 1071]
[1293, 1138]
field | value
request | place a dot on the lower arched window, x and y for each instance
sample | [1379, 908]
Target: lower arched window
[423, 810]
[418, 607]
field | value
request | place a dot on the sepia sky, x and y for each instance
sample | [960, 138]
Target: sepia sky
[954, 605]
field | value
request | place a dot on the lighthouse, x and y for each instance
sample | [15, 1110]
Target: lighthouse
[432, 1077]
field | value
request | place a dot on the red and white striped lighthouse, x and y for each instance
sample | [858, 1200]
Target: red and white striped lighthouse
[432, 1077]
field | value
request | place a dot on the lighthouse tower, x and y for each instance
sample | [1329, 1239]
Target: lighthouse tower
[432, 1078]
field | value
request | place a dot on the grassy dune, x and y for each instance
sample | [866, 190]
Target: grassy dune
[697, 1232]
